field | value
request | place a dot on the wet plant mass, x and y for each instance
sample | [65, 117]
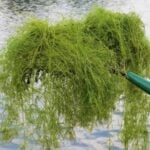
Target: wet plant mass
[57, 77]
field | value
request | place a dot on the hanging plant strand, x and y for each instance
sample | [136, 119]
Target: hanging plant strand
[58, 77]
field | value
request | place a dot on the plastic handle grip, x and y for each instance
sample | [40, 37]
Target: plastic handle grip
[139, 81]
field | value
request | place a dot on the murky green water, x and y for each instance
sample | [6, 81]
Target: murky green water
[14, 12]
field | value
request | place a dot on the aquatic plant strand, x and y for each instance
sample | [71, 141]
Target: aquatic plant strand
[58, 77]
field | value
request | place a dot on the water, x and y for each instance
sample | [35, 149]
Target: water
[14, 12]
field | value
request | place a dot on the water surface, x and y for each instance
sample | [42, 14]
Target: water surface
[14, 12]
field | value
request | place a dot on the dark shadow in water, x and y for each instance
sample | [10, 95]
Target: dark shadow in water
[118, 113]
[26, 5]
[87, 3]
[11, 146]
[99, 134]
[82, 145]
[115, 130]
[116, 148]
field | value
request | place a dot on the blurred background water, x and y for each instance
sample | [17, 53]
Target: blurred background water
[14, 12]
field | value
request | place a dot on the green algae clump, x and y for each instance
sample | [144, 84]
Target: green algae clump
[58, 77]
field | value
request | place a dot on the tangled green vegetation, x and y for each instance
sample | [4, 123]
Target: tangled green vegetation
[57, 77]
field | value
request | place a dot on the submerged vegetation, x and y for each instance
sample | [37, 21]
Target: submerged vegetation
[57, 77]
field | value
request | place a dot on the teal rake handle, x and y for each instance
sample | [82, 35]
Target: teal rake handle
[139, 81]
